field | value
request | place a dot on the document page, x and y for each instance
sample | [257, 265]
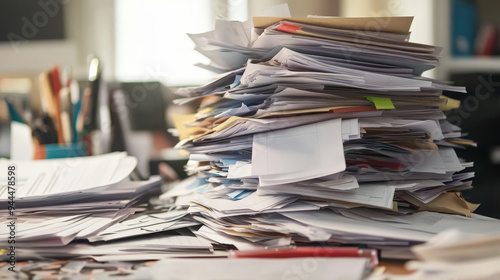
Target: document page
[55, 176]
[313, 150]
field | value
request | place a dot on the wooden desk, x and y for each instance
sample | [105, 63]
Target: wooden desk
[394, 267]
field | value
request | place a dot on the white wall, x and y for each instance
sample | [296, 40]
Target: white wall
[89, 28]
[298, 8]
[21, 57]
[97, 34]
[152, 41]
[422, 30]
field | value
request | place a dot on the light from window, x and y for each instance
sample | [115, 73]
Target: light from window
[151, 40]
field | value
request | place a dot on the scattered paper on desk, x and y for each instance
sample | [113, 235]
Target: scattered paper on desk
[450, 202]
[453, 254]
[296, 141]
[454, 245]
[42, 178]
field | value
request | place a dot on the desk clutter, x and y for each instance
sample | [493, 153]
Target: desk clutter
[326, 134]
[319, 133]
[62, 117]
[68, 122]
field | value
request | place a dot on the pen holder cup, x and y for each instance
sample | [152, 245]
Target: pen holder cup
[60, 151]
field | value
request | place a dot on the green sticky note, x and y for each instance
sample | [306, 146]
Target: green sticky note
[381, 103]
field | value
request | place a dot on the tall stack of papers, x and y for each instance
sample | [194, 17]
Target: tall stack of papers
[327, 133]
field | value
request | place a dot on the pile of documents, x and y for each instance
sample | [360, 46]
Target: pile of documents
[72, 269]
[88, 207]
[323, 131]
[453, 254]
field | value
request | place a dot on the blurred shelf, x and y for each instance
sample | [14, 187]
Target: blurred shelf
[443, 22]
[472, 64]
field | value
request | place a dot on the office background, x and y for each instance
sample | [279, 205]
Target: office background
[146, 41]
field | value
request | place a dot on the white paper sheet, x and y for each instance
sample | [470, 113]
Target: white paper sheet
[239, 269]
[55, 176]
[306, 152]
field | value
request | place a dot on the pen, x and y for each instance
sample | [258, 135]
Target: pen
[14, 115]
[94, 79]
[91, 132]
[48, 104]
[65, 103]
[66, 82]
[308, 251]
[82, 115]
[55, 85]
[76, 105]
[17, 117]
[55, 82]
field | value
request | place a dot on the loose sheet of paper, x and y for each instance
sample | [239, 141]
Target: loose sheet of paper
[307, 151]
[290, 268]
[55, 176]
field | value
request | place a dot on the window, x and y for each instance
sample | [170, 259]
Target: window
[151, 41]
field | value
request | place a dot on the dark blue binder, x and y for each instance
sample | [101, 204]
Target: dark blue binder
[463, 27]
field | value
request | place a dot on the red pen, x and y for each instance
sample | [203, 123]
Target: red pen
[307, 252]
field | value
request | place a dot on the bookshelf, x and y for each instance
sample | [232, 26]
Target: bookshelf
[474, 72]
[474, 64]
[451, 64]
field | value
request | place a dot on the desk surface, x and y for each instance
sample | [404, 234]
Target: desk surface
[394, 267]
[53, 268]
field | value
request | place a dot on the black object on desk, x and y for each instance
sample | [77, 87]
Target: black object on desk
[176, 164]
[146, 105]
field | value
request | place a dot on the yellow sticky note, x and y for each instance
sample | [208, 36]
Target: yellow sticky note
[381, 103]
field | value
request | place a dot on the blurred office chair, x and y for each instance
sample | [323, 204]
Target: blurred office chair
[140, 114]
